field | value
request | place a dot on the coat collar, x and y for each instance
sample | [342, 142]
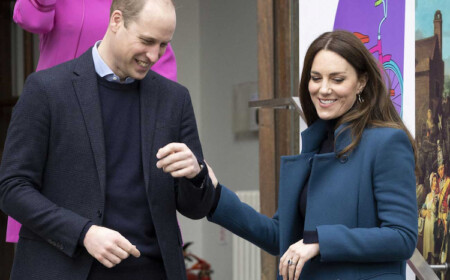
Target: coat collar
[313, 136]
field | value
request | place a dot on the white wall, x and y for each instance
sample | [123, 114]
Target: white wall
[216, 47]
[186, 45]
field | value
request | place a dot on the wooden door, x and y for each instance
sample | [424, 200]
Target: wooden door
[278, 75]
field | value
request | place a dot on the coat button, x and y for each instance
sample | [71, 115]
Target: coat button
[343, 159]
[99, 213]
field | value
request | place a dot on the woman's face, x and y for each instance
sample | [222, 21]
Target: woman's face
[334, 85]
[433, 183]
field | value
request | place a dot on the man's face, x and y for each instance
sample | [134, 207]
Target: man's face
[441, 171]
[139, 45]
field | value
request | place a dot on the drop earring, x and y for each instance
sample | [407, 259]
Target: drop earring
[360, 99]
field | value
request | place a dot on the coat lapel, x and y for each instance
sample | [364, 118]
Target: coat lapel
[149, 93]
[86, 89]
[294, 173]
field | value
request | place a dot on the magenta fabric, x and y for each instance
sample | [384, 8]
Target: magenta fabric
[66, 29]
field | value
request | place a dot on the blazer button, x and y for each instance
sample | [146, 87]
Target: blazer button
[99, 213]
[310, 161]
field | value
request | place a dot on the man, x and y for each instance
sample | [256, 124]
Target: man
[441, 226]
[80, 168]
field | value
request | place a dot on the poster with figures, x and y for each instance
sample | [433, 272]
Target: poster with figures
[432, 67]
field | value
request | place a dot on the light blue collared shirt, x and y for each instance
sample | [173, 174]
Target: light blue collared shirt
[103, 70]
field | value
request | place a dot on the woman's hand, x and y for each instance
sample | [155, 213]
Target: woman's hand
[292, 262]
[212, 176]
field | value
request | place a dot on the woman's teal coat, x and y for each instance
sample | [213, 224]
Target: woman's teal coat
[363, 206]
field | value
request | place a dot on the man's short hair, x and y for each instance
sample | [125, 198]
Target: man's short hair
[130, 9]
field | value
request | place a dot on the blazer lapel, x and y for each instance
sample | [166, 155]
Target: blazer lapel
[149, 94]
[86, 89]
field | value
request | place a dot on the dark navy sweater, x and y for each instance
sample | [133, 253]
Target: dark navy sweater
[126, 207]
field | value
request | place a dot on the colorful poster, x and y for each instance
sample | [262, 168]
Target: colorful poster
[432, 67]
[380, 25]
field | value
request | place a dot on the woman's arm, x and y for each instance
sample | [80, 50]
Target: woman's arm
[246, 222]
[36, 16]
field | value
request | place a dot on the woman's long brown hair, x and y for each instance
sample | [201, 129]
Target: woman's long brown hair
[377, 109]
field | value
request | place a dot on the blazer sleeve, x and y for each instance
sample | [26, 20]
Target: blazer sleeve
[192, 201]
[394, 191]
[22, 169]
[35, 16]
[244, 221]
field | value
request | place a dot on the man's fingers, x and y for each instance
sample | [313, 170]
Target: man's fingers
[185, 172]
[119, 252]
[172, 158]
[170, 148]
[177, 165]
[181, 169]
[128, 247]
[115, 260]
[135, 252]
[103, 260]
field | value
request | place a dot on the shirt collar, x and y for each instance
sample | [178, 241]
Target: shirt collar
[103, 70]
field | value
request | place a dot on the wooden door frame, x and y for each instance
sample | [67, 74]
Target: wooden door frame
[6, 249]
[7, 101]
[277, 77]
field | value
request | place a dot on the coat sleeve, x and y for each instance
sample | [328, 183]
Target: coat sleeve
[22, 169]
[35, 16]
[192, 201]
[394, 185]
[246, 222]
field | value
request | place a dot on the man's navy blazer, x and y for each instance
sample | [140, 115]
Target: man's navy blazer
[52, 175]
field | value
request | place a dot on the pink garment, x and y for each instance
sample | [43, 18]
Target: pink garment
[67, 28]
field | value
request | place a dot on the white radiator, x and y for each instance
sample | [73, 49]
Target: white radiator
[246, 256]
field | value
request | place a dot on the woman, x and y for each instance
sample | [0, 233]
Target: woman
[67, 29]
[347, 203]
[428, 212]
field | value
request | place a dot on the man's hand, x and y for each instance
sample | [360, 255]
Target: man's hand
[108, 246]
[293, 260]
[178, 160]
